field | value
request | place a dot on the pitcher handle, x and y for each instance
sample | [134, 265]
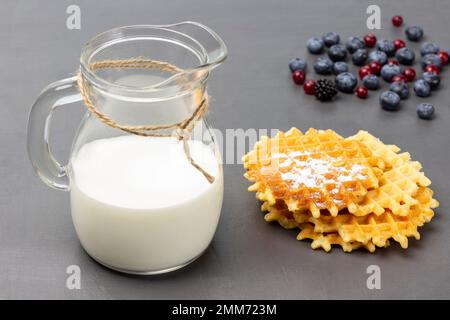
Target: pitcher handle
[55, 95]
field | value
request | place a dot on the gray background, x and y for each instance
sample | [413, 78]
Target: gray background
[248, 257]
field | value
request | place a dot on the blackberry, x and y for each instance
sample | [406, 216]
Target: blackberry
[325, 90]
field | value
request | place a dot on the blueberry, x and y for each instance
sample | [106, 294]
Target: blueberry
[323, 66]
[315, 45]
[346, 82]
[425, 111]
[359, 57]
[386, 46]
[422, 88]
[390, 101]
[388, 71]
[401, 88]
[337, 52]
[378, 56]
[405, 56]
[340, 67]
[297, 64]
[354, 43]
[431, 59]
[432, 79]
[371, 82]
[429, 47]
[331, 38]
[414, 33]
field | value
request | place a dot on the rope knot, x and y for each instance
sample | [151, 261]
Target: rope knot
[181, 134]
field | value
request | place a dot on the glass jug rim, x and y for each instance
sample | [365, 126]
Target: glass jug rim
[111, 36]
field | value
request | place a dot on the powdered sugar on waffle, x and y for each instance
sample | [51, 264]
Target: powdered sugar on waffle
[303, 169]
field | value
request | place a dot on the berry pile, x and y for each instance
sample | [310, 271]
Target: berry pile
[389, 60]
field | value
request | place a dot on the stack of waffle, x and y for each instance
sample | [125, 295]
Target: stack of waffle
[354, 192]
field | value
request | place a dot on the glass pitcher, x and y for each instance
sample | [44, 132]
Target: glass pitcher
[142, 202]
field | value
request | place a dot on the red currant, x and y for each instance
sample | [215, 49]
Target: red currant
[392, 61]
[364, 71]
[432, 68]
[298, 76]
[399, 77]
[444, 57]
[309, 86]
[375, 67]
[397, 21]
[370, 40]
[410, 74]
[399, 43]
[362, 92]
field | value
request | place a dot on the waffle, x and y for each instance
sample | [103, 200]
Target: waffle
[318, 170]
[394, 187]
[387, 198]
[368, 231]
[398, 184]
[325, 241]
[286, 219]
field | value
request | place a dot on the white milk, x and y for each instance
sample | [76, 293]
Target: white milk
[140, 206]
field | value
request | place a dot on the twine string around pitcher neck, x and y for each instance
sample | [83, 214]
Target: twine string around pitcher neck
[182, 129]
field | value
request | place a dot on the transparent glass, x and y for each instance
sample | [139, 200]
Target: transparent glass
[129, 200]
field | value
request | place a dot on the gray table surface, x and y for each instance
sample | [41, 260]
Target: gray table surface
[248, 258]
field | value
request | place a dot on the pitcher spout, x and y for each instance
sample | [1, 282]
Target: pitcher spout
[209, 48]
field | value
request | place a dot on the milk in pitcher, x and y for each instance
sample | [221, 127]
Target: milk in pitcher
[138, 204]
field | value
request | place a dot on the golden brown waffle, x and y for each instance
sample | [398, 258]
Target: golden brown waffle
[280, 214]
[366, 231]
[325, 241]
[318, 170]
[387, 199]
[398, 184]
